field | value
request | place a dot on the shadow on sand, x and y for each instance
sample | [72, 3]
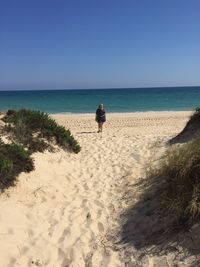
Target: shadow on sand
[144, 232]
[86, 132]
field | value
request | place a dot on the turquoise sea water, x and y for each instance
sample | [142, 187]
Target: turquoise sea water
[115, 100]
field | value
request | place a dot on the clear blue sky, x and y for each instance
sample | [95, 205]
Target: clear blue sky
[46, 44]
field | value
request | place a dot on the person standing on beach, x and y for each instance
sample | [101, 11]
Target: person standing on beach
[100, 117]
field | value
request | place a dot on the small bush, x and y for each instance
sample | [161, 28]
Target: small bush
[30, 127]
[38, 145]
[14, 159]
[20, 157]
[6, 165]
[11, 112]
[30, 131]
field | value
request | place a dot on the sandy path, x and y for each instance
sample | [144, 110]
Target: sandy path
[59, 214]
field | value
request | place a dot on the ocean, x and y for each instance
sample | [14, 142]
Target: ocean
[114, 100]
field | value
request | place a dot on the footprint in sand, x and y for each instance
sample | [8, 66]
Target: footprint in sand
[84, 201]
[88, 216]
[100, 227]
[98, 203]
[88, 260]
[86, 186]
[64, 234]
[99, 212]
[111, 208]
[30, 232]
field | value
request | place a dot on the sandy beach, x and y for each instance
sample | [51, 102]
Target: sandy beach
[63, 213]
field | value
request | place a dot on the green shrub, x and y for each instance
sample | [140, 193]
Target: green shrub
[30, 131]
[6, 165]
[25, 124]
[35, 145]
[14, 159]
[20, 157]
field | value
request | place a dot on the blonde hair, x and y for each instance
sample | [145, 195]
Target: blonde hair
[100, 106]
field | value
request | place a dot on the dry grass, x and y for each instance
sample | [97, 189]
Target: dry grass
[178, 178]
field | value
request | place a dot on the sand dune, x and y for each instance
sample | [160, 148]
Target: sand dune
[61, 214]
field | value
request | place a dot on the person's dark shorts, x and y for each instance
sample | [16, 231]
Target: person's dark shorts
[100, 119]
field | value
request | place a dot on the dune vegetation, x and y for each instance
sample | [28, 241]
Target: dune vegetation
[29, 131]
[177, 178]
[32, 128]
[13, 160]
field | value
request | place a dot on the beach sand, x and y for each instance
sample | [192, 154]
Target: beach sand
[62, 213]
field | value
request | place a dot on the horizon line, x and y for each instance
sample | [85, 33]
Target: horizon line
[98, 88]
